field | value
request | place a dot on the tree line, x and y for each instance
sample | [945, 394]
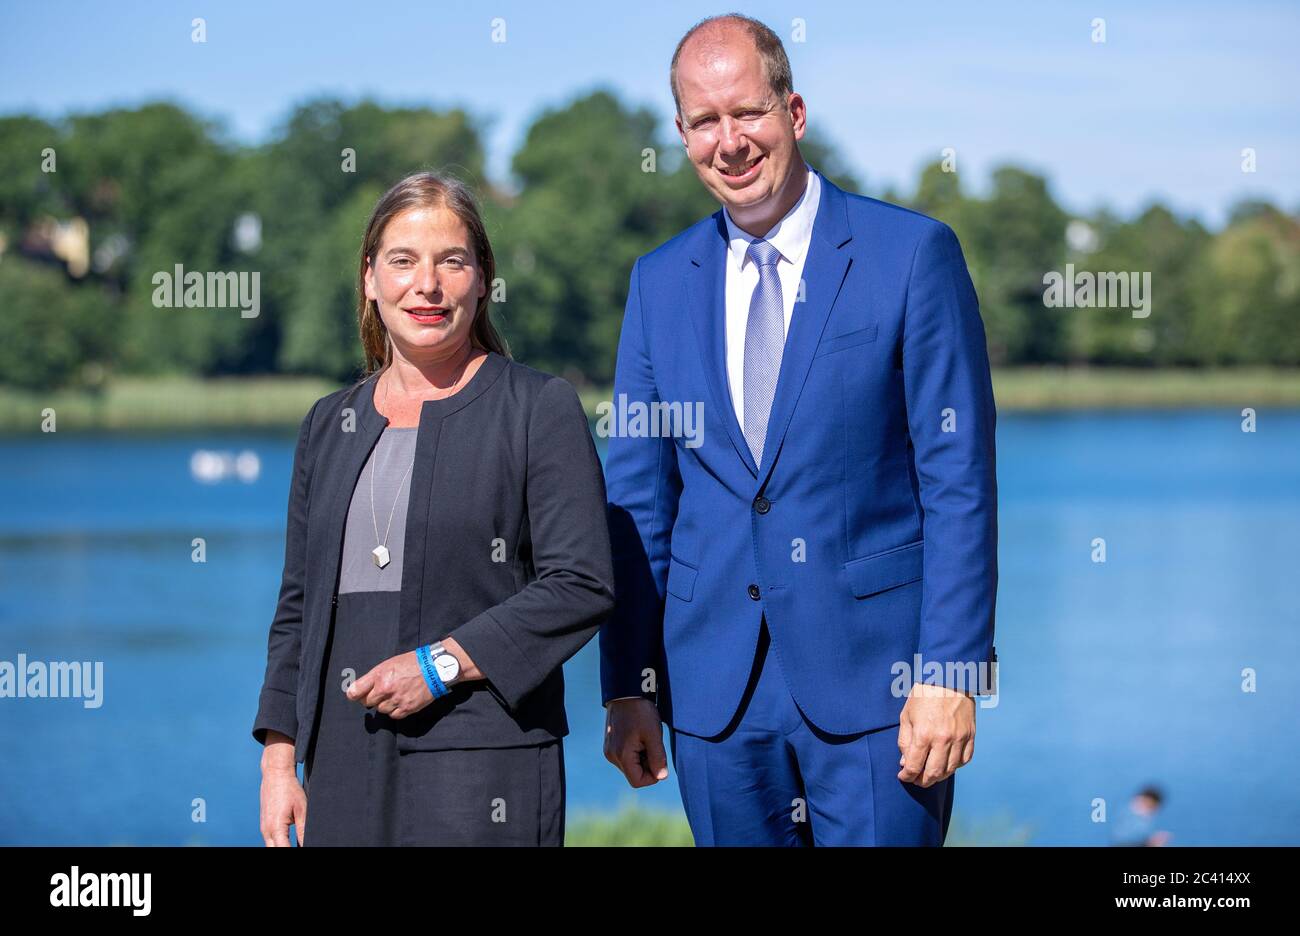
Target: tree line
[93, 206]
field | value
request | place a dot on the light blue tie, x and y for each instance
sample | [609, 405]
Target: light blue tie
[764, 342]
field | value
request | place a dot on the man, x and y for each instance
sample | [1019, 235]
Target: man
[1137, 826]
[786, 587]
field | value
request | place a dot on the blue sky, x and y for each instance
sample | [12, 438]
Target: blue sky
[1161, 110]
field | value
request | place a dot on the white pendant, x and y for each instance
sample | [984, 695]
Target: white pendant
[381, 556]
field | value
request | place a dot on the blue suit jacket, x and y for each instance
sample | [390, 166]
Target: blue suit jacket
[869, 533]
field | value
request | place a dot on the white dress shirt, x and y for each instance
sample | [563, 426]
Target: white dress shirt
[791, 237]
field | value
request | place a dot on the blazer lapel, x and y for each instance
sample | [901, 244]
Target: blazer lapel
[706, 299]
[823, 275]
[368, 427]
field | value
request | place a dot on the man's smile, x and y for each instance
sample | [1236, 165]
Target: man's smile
[744, 172]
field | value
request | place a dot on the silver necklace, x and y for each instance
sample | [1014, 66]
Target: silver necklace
[380, 552]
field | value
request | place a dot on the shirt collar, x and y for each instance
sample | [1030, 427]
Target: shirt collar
[790, 236]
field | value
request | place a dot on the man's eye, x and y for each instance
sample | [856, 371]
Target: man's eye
[455, 261]
[400, 260]
[704, 120]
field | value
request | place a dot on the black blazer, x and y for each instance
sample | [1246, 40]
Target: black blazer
[506, 465]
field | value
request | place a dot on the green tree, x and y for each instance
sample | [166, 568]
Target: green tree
[56, 333]
[1171, 251]
[939, 195]
[26, 191]
[196, 233]
[589, 206]
[1013, 238]
[1251, 291]
[321, 334]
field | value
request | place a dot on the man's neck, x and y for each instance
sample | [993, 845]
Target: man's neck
[766, 216]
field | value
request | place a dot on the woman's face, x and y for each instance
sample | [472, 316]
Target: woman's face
[426, 281]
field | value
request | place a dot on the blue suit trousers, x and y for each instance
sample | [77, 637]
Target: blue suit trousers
[772, 778]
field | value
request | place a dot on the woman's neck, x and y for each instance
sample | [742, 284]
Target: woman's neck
[424, 377]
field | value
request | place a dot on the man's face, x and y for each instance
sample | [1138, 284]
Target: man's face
[1144, 805]
[739, 135]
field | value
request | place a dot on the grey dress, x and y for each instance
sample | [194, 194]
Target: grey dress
[360, 789]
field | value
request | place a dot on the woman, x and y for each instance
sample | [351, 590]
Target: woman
[446, 552]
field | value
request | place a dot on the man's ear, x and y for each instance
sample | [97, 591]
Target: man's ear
[681, 131]
[798, 114]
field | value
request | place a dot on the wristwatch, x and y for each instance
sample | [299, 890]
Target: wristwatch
[448, 666]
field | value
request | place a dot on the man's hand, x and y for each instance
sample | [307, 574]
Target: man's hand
[634, 741]
[936, 734]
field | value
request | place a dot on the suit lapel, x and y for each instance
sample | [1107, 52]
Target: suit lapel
[824, 270]
[706, 298]
[823, 275]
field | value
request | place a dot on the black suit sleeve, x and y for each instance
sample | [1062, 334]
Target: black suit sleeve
[277, 707]
[518, 643]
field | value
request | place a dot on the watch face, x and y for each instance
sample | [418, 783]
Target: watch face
[447, 666]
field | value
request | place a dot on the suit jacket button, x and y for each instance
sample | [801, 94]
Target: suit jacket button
[762, 504]
[754, 592]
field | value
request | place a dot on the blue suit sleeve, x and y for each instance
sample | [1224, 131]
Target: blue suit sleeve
[951, 418]
[643, 486]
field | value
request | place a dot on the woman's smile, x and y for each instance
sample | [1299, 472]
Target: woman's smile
[429, 315]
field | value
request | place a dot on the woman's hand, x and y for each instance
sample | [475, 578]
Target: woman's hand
[396, 687]
[284, 803]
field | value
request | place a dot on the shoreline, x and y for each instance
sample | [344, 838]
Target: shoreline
[279, 403]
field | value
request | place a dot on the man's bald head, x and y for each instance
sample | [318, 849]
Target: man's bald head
[712, 35]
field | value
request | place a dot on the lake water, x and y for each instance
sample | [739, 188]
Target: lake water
[1113, 674]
